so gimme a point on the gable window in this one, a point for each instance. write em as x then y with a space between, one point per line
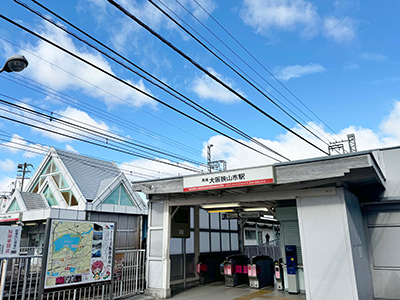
51 200
51 170
14 206
119 197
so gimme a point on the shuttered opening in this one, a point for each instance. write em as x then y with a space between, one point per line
290 234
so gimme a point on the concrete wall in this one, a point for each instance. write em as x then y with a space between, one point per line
158 249
334 253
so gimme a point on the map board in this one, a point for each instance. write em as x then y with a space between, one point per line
80 252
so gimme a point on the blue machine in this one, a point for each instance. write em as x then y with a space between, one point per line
291 266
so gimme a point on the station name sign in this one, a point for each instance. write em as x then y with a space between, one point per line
229 179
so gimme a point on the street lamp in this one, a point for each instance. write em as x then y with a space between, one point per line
15 63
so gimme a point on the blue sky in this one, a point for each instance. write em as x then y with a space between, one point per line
340 58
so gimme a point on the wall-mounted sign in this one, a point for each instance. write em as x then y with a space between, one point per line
9 217
79 253
229 179
10 237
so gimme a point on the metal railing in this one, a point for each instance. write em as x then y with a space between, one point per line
20 279
132 279
272 249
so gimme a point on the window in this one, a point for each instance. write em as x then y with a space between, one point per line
119 197
51 200
52 171
14 206
250 234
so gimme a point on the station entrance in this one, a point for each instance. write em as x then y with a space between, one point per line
314 203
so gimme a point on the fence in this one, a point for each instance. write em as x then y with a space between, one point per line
20 279
272 249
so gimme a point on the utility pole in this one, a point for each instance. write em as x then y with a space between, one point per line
22 171
209 157
219 165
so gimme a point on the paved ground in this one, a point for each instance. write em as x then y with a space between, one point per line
218 290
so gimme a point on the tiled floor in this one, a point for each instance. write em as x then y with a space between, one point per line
218 291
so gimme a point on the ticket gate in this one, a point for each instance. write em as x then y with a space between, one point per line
261 271
235 270
208 268
279 275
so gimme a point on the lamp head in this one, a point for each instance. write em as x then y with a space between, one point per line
15 63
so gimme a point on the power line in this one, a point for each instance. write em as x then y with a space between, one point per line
102 133
255 85
259 63
191 103
134 18
126 171
130 85
98 144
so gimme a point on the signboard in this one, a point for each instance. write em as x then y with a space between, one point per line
79 253
229 179
10 237
9 217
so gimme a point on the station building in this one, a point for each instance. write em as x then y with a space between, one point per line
341 212
71 186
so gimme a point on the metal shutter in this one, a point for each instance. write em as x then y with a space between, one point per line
290 235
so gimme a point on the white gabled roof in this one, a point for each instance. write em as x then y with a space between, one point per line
91 175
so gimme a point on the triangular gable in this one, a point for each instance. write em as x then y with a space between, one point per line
119 197
60 185
13 206
16 203
120 193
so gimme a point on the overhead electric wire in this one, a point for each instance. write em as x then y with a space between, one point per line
74 157
100 144
128 84
266 69
108 142
105 134
191 103
255 84
49 92
197 65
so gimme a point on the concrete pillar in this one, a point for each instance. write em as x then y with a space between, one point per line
196 224
158 245
335 255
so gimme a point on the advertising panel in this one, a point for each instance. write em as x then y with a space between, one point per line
229 179
10 237
80 252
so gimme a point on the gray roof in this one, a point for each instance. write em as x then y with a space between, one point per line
90 174
33 200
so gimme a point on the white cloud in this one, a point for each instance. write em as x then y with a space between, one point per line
6 183
297 71
147 13
298 16
391 124
18 144
207 88
73 116
78 75
143 169
70 149
292 147
8 165
14 144
264 15
340 30
287 144
373 56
